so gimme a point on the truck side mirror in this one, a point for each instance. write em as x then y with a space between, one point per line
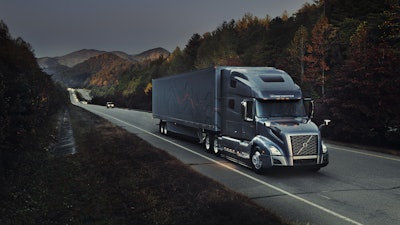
309 106
326 122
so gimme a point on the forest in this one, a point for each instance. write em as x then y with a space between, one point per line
30 104
342 53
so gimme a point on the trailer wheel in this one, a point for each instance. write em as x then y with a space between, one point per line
256 162
163 128
207 142
216 146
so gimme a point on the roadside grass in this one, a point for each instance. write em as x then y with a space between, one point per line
117 178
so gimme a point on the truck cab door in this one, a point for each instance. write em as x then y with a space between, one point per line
248 122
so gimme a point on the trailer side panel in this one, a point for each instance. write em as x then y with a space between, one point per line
190 99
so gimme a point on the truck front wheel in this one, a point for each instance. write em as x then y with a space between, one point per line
256 161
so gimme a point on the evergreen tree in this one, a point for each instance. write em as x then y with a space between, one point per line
176 62
191 50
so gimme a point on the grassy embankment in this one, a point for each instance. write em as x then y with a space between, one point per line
117 178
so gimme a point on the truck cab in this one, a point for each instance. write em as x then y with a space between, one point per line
265 121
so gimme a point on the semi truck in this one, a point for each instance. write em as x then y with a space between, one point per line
256 116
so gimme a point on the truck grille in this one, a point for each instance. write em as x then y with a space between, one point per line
304 145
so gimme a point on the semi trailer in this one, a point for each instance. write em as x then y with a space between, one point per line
255 116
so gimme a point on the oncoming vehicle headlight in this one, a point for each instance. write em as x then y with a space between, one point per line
274 150
324 148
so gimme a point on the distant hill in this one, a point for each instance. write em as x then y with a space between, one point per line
152 54
68 60
98 70
77 57
93 67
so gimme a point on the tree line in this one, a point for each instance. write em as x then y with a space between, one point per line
342 53
30 101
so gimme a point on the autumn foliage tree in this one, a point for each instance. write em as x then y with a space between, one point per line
364 101
317 54
296 54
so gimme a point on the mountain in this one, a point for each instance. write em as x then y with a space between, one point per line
77 57
51 65
88 67
152 54
68 60
99 70
124 55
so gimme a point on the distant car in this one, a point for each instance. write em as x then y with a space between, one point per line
110 105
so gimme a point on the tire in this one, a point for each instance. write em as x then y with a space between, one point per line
208 142
163 128
256 162
215 145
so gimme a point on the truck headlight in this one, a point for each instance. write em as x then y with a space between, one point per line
324 148
274 150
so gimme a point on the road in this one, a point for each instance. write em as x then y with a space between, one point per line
357 187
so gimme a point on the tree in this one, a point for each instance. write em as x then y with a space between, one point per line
391 26
176 62
219 47
29 100
191 49
317 54
285 16
297 50
365 98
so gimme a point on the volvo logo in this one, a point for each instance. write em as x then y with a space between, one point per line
304 146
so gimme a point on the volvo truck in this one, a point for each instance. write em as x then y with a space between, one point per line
255 116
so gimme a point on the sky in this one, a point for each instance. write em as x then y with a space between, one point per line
58 27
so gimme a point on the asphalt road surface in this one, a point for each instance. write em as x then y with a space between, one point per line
357 187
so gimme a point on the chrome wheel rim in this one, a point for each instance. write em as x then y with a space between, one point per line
215 144
165 129
256 160
207 142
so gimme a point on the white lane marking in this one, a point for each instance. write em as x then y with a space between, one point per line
324 196
345 149
241 173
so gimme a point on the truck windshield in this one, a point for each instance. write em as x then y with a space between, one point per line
288 108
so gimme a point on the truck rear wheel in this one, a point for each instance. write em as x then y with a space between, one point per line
215 146
256 161
208 141
163 128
